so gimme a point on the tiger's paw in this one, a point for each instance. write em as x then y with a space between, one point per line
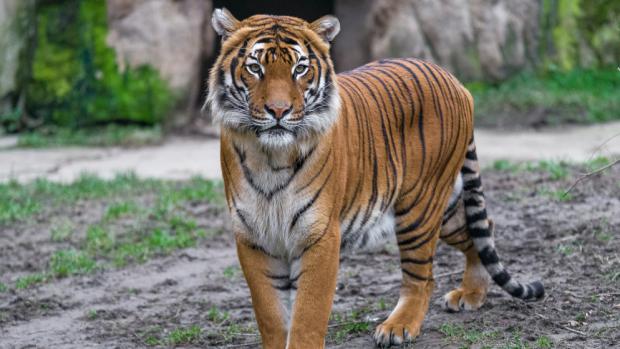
388 334
464 299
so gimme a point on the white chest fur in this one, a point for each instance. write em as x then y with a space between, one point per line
267 211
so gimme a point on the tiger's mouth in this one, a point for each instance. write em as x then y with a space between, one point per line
275 130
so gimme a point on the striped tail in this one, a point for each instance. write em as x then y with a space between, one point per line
481 231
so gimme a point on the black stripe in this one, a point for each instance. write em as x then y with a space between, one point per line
454 232
488 256
472 184
416 261
414 225
416 276
309 204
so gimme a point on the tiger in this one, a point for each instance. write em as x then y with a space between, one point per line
318 164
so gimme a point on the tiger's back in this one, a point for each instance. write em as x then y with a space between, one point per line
412 121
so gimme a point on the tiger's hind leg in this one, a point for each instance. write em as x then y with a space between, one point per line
472 292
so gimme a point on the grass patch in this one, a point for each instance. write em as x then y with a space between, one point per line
61 230
158 230
557 170
159 241
120 209
183 336
584 96
231 271
70 262
474 338
110 135
225 329
92 314
29 280
559 195
98 240
14 204
346 325
544 342
217 316
458 333
3 287
20 201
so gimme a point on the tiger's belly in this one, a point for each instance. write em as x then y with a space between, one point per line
358 234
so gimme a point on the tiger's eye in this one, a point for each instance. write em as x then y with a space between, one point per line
254 68
300 69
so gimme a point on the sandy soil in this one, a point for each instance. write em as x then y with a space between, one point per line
573 246
175 159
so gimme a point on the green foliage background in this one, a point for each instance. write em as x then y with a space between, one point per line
580 34
75 81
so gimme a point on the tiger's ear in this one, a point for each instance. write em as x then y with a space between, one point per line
224 22
327 27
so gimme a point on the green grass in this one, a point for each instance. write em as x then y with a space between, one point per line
70 262
29 280
231 271
158 242
473 338
120 209
61 230
92 314
19 202
217 316
184 336
156 229
3 287
566 249
98 240
576 96
98 137
345 325
544 342
556 169
467 337
351 328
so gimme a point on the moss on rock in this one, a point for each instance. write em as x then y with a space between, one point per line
75 79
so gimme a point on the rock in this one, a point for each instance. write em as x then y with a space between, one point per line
474 39
16 30
169 35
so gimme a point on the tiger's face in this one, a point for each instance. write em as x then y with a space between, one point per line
274 79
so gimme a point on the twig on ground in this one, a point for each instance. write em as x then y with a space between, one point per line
448 274
583 334
340 324
243 345
600 147
609 294
590 174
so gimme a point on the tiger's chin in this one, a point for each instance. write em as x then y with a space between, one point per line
277 139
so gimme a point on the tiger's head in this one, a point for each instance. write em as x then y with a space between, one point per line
274 79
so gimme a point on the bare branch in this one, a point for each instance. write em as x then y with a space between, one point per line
590 174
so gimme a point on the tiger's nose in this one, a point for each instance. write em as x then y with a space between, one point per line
278 109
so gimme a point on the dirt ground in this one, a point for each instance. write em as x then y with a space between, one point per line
572 245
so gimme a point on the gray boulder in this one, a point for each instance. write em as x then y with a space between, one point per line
16 30
168 35
475 39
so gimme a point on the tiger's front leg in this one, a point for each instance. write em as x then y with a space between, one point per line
292 301
271 314
315 292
